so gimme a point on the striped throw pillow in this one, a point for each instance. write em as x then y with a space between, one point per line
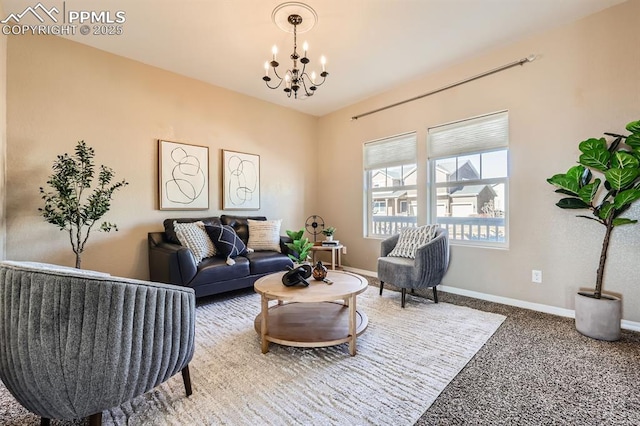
193 236
264 235
411 238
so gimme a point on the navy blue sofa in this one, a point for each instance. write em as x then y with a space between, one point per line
171 263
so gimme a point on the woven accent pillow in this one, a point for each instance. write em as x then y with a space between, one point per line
264 235
193 236
411 238
226 241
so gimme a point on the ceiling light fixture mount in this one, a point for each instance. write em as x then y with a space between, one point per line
301 18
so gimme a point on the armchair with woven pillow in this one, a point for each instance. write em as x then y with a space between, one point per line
215 254
416 258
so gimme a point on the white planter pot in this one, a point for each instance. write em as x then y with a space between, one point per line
598 318
329 238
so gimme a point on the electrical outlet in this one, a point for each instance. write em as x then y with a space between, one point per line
536 276
344 249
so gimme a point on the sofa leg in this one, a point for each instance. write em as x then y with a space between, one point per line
381 287
404 296
435 294
413 291
44 421
95 419
186 378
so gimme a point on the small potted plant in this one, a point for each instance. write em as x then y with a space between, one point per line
300 245
598 315
328 232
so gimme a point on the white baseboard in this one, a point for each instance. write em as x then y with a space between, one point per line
360 271
511 302
554 310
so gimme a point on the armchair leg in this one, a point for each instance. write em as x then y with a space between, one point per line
186 378
404 296
381 287
95 419
44 421
435 294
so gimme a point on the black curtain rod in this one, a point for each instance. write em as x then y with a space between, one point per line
522 61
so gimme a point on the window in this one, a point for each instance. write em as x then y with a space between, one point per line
390 184
380 207
468 179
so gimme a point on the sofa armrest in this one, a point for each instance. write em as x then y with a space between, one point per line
170 263
283 245
388 244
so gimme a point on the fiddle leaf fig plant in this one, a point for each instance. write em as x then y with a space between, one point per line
300 245
605 181
70 206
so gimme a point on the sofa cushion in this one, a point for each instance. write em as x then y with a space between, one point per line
226 241
264 235
411 238
194 236
240 224
214 269
171 233
264 262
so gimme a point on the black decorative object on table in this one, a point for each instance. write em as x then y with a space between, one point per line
297 275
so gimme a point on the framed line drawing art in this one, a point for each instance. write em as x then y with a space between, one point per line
240 181
183 172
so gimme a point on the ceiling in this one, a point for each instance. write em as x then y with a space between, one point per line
370 45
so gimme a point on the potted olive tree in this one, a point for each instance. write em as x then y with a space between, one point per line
71 205
606 181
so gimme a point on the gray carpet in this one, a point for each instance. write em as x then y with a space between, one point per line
538 370
534 370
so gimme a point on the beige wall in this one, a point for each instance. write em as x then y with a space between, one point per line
60 92
585 81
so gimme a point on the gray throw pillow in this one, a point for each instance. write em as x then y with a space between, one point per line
194 236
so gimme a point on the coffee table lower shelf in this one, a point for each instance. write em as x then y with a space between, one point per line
310 325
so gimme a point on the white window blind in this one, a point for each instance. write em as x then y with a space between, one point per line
390 152
469 136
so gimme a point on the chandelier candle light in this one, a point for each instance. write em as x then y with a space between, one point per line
295 79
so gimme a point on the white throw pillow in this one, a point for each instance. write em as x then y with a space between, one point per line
264 235
411 238
193 236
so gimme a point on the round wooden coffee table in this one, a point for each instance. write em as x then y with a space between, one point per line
314 316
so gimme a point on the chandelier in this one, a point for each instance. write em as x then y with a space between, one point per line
296 79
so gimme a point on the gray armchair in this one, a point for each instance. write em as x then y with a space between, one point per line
427 270
74 343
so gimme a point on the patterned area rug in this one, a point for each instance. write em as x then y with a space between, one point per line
405 359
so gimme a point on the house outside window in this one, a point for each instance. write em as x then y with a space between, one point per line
468 179
390 185
379 207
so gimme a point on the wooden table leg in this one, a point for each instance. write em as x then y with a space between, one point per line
333 259
264 323
352 326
